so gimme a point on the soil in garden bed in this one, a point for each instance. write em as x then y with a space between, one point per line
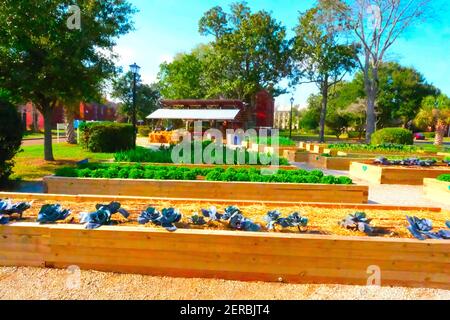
321 221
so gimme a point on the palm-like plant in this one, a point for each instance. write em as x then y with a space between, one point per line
435 113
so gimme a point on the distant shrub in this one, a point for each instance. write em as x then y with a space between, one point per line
429 135
144 131
354 135
393 135
107 136
10 138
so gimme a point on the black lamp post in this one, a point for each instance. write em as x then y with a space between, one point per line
290 122
134 68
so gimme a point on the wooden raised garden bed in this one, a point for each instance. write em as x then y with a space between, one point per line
262 256
209 189
395 174
296 156
437 190
332 163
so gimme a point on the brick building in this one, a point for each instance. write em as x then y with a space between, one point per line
33 119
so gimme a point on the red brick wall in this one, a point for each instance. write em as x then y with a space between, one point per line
264 109
89 112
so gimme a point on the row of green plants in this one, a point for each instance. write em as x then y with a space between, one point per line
282 141
444 177
164 155
138 171
167 218
386 147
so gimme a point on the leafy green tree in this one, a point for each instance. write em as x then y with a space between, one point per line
147 96
401 93
249 52
319 55
435 114
44 61
184 78
310 117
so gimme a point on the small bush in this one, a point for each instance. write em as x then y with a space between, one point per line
107 137
354 135
444 177
393 135
10 138
144 131
429 135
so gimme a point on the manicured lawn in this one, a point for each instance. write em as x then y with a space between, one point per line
30 165
297 136
40 135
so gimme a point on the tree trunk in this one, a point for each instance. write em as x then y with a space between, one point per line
48 115
71 137
440 133
371 116
371 88
323 112
34 116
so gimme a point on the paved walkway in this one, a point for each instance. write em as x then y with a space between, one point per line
388 194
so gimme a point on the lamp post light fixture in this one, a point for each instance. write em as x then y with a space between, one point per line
290 121
134 68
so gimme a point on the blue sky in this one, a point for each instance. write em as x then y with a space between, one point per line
167 27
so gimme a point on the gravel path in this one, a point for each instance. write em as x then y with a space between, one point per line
35 284
388 194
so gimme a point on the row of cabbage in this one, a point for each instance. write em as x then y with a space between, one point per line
167 218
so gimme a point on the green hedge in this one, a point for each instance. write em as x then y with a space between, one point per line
106 137
393 135
11 132
137 171
444 177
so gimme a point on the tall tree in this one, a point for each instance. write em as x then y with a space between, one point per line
184 77
377 25
147 96
319 53
401 91
250 52
46 59
435 113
